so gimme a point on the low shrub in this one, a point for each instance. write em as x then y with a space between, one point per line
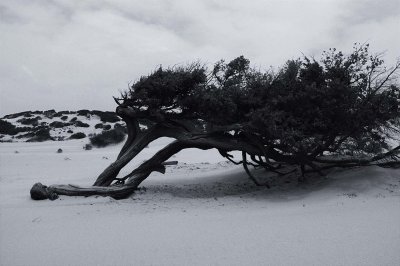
107 127
87 147
79 135
7 128
110 117
58 114
58 124
99 125
49 113
78 123
41 135
106 138
64 117
30 121
83 112
73 119
11 116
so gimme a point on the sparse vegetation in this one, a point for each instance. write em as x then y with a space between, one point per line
79 123
83 112
87 147
41 135
78 135
106 138
30 121
58 124
110 117
7 128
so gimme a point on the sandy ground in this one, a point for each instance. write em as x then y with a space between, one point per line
203 211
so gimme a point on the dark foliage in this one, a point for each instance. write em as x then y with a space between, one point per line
107 137
83 112
78 135
88 147
99 125
341 104
73 119
64 117
41 135
30 121
49 113
78 123
7 128
11 116
58 124
107 127
110 117
58 114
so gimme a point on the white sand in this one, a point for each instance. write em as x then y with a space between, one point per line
203 211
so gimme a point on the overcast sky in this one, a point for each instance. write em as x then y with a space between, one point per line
70 55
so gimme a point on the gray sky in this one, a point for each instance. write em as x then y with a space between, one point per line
69 55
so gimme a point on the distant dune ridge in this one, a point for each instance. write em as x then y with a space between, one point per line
50 125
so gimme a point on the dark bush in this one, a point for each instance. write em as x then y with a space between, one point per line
29 121
49 113
7 128
79 135
106 138
83 112
58 114
70 131
99 125
57 124
65 112
87 147
78 123
73 119
26 129
64 117
110 117
41 135
107 127
11 116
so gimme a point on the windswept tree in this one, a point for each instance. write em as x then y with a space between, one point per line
340 111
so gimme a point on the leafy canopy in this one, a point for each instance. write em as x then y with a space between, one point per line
340 103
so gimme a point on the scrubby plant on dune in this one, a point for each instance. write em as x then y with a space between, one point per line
340 111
